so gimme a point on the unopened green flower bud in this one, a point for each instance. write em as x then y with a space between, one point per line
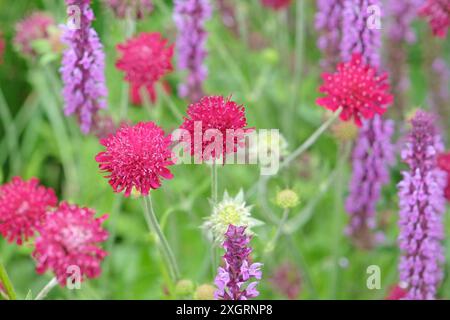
287 199
204 292
184 287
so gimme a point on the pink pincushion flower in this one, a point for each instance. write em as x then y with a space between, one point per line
437 12
276 4
69 238
32 28
136 156
23 205
215 113
357 89
145 60
444 164
397 293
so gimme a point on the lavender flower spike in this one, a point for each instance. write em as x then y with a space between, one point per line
360 34
372 156
329 24
238 269
83 67
190 17
422 205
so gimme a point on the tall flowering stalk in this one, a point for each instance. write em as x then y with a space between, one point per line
372 155
135 8
400 34
360 34
329 25
83 66
422 205
238 269
190 17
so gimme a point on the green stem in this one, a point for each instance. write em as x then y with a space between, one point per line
311 140
48 287
6 282
214 183
164 245
11 135
272 244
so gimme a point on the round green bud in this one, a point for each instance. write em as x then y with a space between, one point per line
184 287
287 199
204 292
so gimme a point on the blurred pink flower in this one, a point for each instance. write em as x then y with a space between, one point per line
23 205
69 238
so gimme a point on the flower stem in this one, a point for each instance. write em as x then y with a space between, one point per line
214 182
164 245
48 287
272 244
311 140
6 282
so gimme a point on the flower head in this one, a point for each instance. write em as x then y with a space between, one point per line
204 292
68 242
224 118
287 199
286 279
82 68
357 89
23 206
145 59
422 205
137 8
229 211
238 269
276 4
444 164
190 17
397 292
437 12
32 28
136 157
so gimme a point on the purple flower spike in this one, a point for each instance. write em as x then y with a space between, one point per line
83 67
422 205
372 156
360 33
190 17
238 270
329 24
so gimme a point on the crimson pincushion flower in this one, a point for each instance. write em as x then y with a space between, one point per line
437 12
70 237
23 206
276 4
357 89
444 164
145 60
136 157
218 113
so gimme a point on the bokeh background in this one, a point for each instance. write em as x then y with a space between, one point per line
267 60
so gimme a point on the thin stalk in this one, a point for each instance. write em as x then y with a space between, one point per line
272 244
12 137
6 282
342 156
153 224
130 27
172 107
214 183
48 287
311 140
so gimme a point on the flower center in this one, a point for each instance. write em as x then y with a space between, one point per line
230 215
